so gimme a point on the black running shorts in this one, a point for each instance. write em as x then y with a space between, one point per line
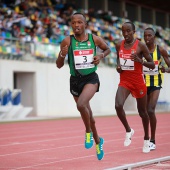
77 83
150 89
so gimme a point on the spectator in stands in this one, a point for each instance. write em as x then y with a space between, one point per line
84 81
15 31
154 79
30 13
129 64
33 5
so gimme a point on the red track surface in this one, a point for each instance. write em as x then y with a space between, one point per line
59 144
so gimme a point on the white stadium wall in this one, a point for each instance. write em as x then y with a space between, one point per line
46 89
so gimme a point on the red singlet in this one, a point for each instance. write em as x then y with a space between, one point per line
131 77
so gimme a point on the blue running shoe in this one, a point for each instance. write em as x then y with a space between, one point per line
99 149
88 140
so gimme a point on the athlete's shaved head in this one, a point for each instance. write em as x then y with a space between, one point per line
78 13
151 29
131 23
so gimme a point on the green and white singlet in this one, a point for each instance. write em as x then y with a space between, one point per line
80 56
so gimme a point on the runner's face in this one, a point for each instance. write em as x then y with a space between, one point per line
149 37
78 24
128 32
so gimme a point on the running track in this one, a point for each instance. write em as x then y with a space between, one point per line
59 144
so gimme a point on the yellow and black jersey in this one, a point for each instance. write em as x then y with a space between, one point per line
156 79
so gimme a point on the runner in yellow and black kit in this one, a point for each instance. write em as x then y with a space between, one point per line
154 78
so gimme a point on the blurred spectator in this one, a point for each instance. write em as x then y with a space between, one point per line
49 21
15 31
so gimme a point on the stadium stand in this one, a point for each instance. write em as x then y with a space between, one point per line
36 28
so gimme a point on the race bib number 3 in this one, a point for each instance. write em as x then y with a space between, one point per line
83 59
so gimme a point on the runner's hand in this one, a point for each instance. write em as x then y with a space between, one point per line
163 70
135 58
119 70
96 60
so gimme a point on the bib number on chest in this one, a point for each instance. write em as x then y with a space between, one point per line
126 62
149 71
83 59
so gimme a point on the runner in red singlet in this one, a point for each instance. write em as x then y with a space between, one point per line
130 52
130 79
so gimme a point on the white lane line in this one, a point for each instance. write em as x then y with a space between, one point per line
44 134
47 140
62 132
39 141
39 150
66 131
61 147
71 159
43 124
36 129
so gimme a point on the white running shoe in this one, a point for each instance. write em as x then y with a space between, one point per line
152 146
146 147
128 137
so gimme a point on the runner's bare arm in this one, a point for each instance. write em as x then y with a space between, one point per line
118 68
145 53
99 42
63 52
164 54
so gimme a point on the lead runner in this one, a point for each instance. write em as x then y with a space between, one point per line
84 81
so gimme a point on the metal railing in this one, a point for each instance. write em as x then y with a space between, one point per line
140 164
16 49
